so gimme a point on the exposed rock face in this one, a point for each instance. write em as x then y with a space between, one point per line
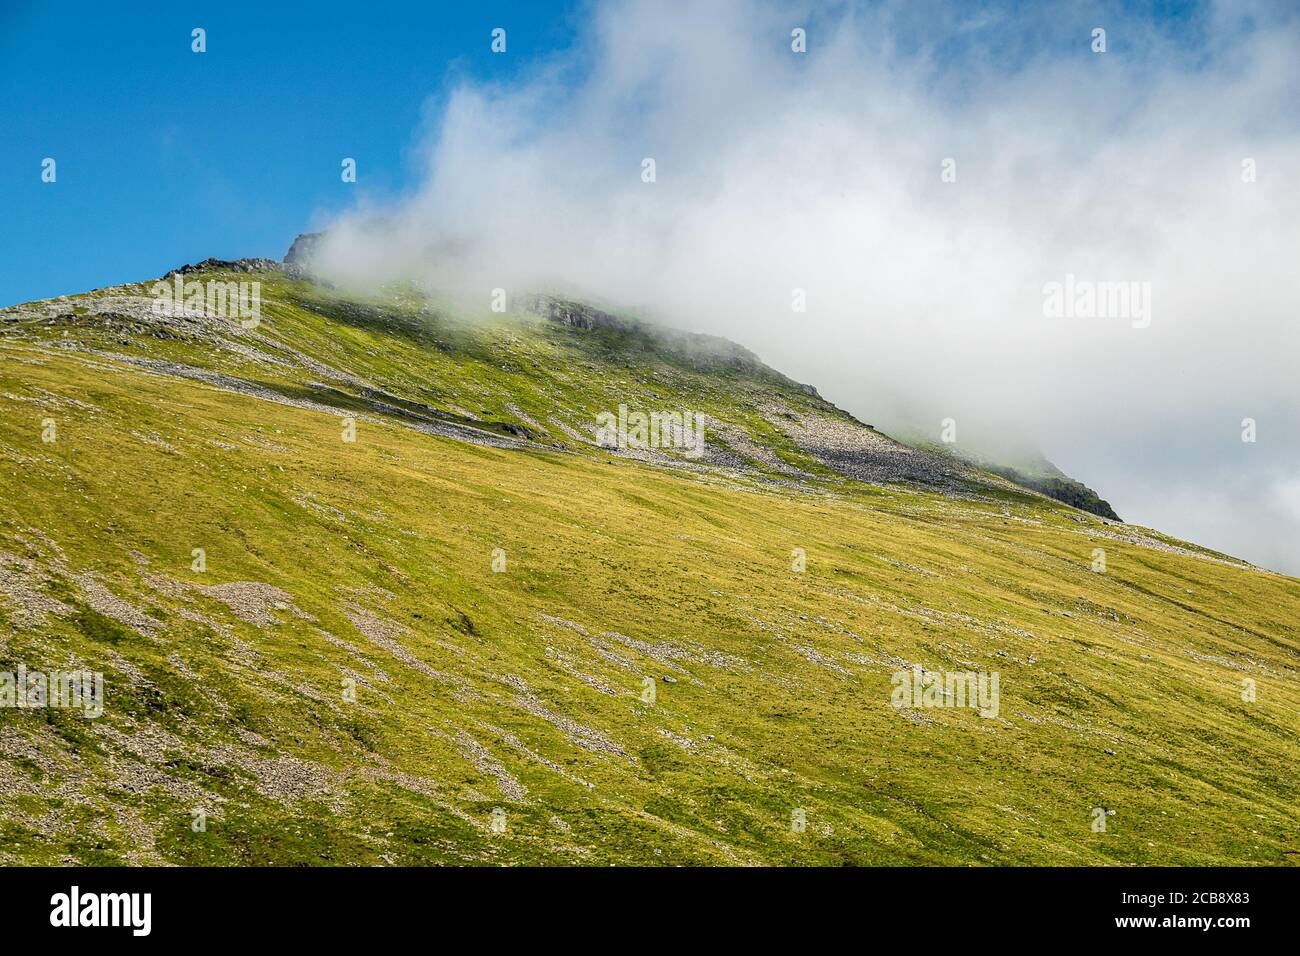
577 314
303 249
705 350
1073 493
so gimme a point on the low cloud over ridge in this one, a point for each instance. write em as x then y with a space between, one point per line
823 171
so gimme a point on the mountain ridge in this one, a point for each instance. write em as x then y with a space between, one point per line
297 263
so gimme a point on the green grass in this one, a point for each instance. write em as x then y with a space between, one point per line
781 680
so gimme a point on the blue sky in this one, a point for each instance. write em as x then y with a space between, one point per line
167 156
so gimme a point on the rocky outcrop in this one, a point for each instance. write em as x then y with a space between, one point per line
304 247
226 265
1065 489
707 351
576 314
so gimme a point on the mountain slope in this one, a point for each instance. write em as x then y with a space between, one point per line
347 679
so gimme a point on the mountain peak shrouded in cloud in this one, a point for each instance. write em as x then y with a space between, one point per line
590 433
888 210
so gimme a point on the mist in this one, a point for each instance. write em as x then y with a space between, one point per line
916 181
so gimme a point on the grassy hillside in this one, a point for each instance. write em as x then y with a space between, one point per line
348 679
